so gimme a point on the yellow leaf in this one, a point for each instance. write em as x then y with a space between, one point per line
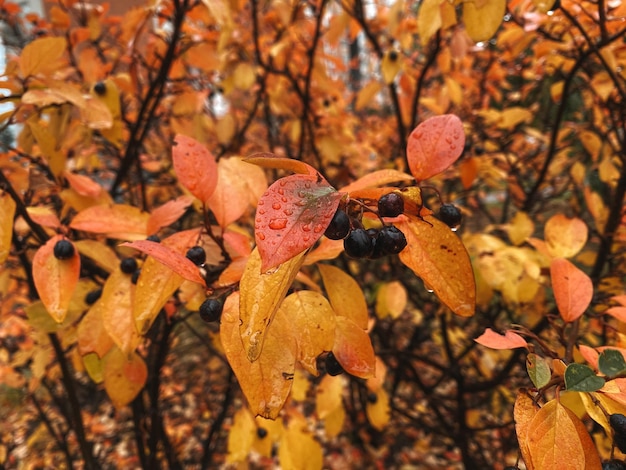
43 55
429 19
328 395
379 412
333 423
345 294
7 212
240 436
366 95
92 335
544 6
299 450
48 146
124 376
520 228
390 65
99 252
482 21
225 129
353 349
391 300
261 295
565 237
244 75
511 117
117 314
94 367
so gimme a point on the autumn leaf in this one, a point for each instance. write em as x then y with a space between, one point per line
298 449
573 289
42 55
266 382
556 438
565 237
261 295
117 220
378 410
117 314
195 167
483 19
353 349
124 376
55 279
429 19
377 178
270 160
391 300
524 411
92 335
168 213
345 294
509 340
291 216
434 145
7 212
83 185
438 256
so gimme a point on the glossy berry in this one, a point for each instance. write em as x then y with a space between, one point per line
613 465
372 397
358 244
339 226
450 215
211 310
618 423
332 365
63 249
390 205
393 56
390 240
128 265
261 433
197 255
100 88
93 296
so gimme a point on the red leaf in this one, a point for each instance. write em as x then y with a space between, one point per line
572 288
195 167
178 263
116 220
291 216
434 145
510 340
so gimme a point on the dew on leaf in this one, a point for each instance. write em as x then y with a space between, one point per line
280 191
306 227
288 212
318 228
261 235
277 224
276 206
284 199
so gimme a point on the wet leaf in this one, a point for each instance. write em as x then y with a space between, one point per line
565 237
168 213
291 216
377 178
261 295
523 412
55 279
573 289
124 376
538 370
270 160
345 294
558 439
353 349
266 382
117 313
195 167
611 363
7 212
582 378
509 340
92 335
434 145
117 221
438 256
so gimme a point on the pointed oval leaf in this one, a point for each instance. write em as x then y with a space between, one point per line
117 313
125 374
617 312
195 166
565 237
313 322
291 216
379 412
353 349
483 19
266 382
582 378
538 370
42 55
377 178
524 411
7 213
573 289
270 160
438 256
261 295
345 294
168 213
55 279
558 439
611 363
434 145
92 335
299 449
116 220
509 340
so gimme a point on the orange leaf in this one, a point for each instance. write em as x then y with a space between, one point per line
353 349
168 213
557 439
178 263
438 256
509 340
116 306
572 288
117 221
291 216
195 167
43 55
7 213
620 299
44 216
434 145
124 376
92 336
55 279
270 160
565 237
523 413
83 185
326 249
377 178
261 295
617 312
345 294
266 382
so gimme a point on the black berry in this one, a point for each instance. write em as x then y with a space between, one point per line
613 465
390 240
197 255
261 432
135 276
372 397
100 88
450 215
618 423
479 150
358 244
154 238
390 205
63 249
393 56
211 310
128 265
332 365
339 226
93 296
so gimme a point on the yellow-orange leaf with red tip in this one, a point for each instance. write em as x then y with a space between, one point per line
55 279
345 294
92 335
125 374
353 349
438 256
523 413
573 289
195 167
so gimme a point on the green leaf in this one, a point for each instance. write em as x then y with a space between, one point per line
611 363
581 378
538 370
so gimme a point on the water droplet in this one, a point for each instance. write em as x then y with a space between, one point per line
276 206
260 235
318 228
280 191
284 199
288 212
454 229
307 185
282 182
301 194
277 224
306 238
452 147
261 202
306 227
261 211
417 135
